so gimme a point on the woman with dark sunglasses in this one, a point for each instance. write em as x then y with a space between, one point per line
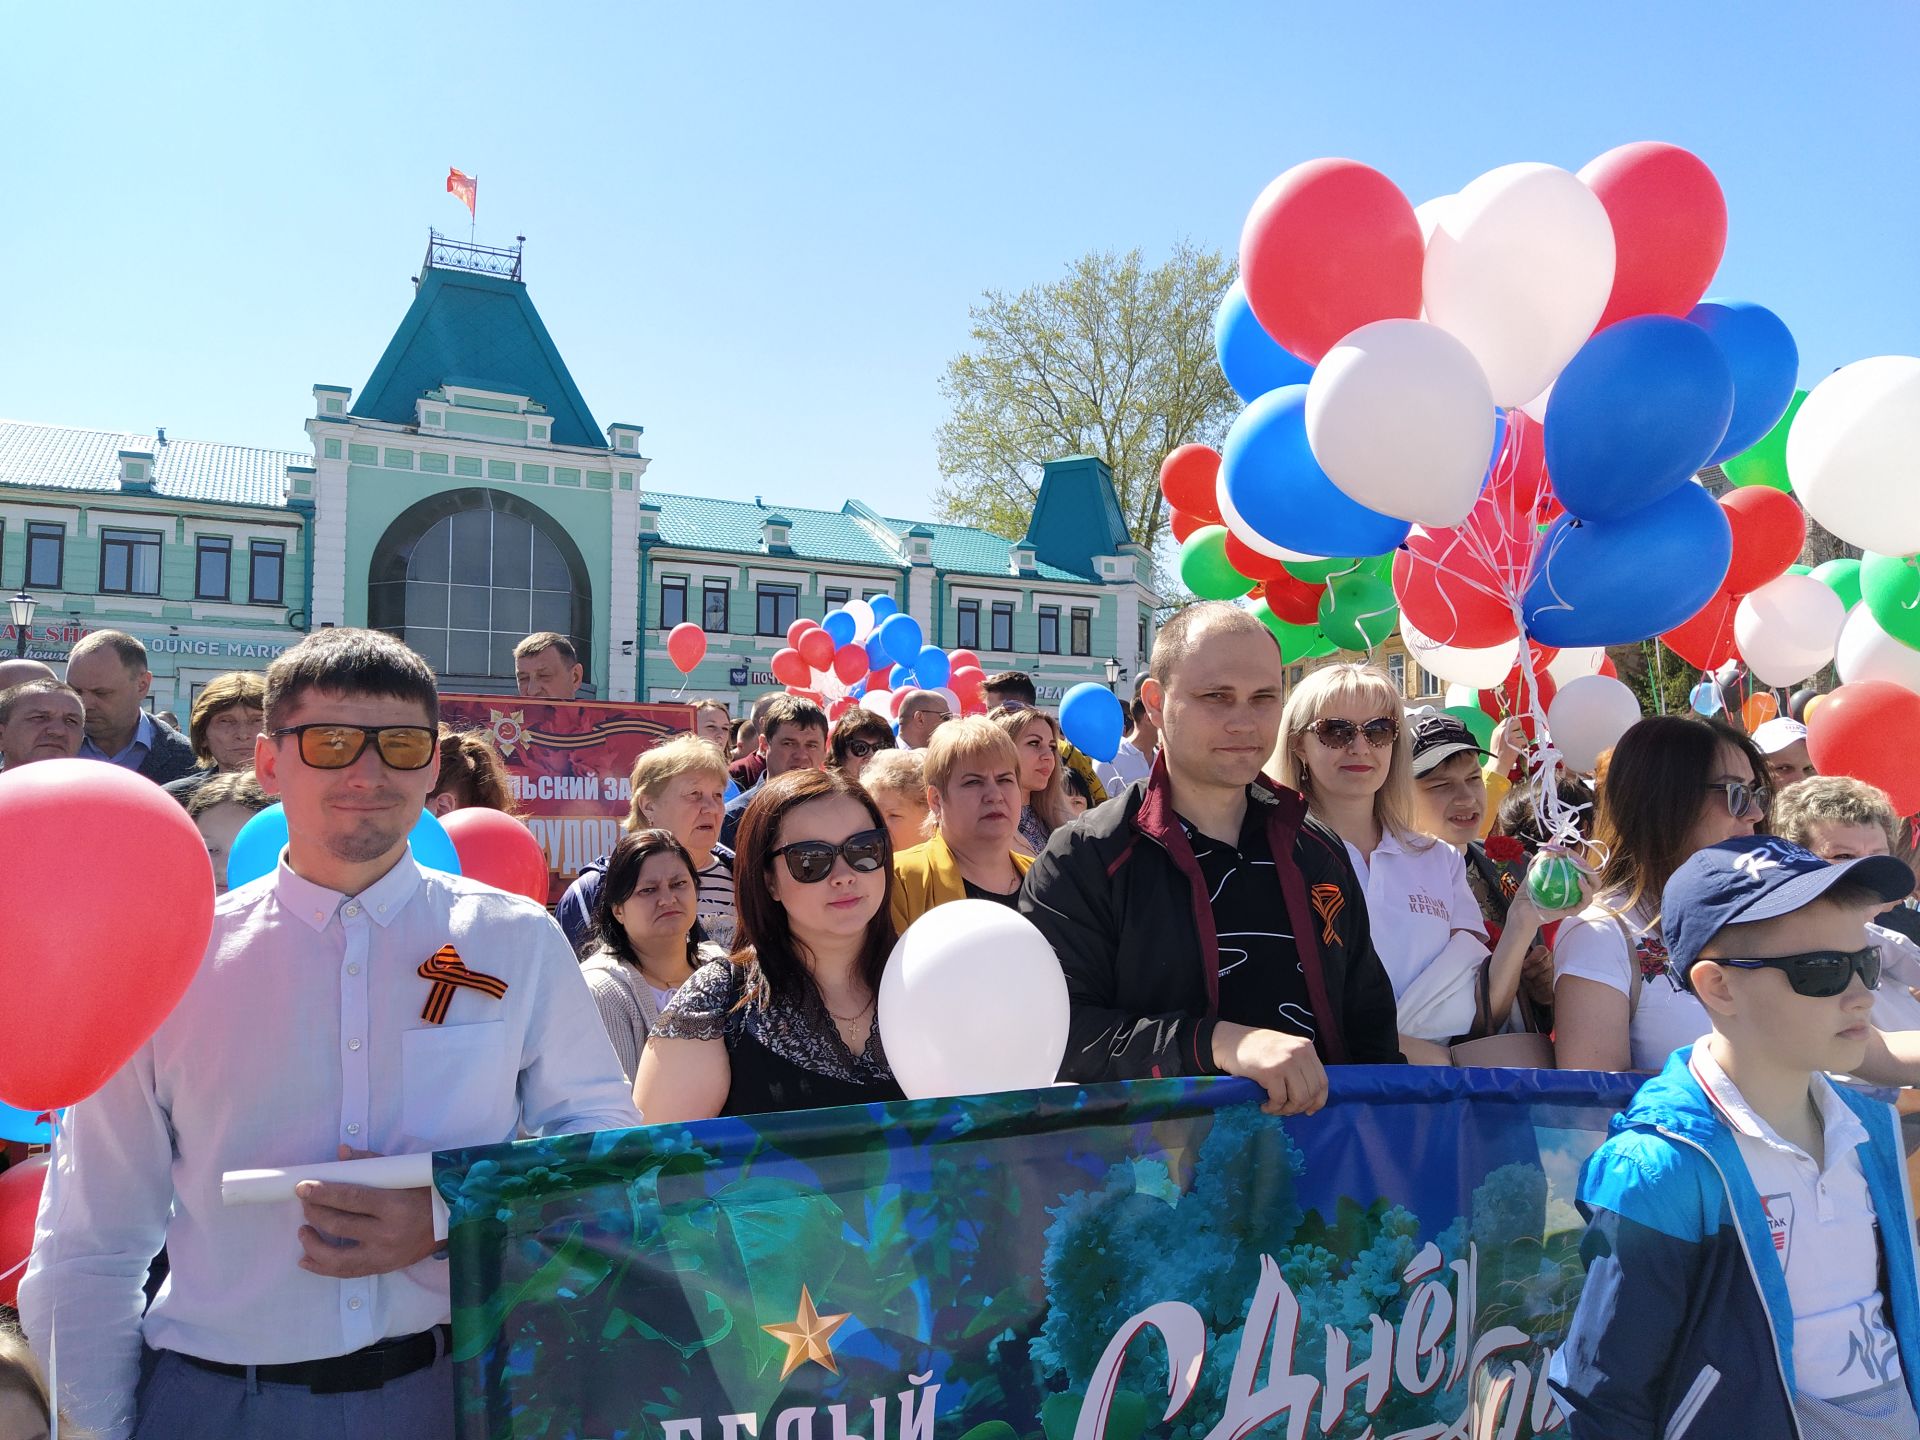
857 737
790 1022
1345 745
1671 787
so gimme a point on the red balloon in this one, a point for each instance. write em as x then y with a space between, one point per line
1183 524
788 668
877 679
1449 592
850 663
1866 730
1329 246
960 659
816 648
840 707
686 646
799 628
1706 641
801 694
97 834
20 1188
1255 566
498 850
1294 600
1514 696
968 682
1769 531
1188 477
1669 227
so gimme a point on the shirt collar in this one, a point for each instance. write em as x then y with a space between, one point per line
143 735
315 904
1841 1128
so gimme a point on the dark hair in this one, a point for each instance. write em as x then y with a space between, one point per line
624 865
239 787
1518 818
543 640
1012 685
858 723
12 697
472 770
350 662
223 693
792 710
763 934
1651 793
1077 783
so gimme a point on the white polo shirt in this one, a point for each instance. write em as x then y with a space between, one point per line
1593 946
1417 897
1825 1235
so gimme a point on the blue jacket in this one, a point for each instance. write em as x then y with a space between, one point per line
1685 1326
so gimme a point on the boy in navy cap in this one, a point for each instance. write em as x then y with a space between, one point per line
1750 1245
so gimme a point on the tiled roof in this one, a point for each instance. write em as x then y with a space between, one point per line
703 523
58 457
964 550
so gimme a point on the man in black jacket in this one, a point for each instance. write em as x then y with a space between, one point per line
109 669
1206 925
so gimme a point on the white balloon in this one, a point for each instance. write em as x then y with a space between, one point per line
1536 408
1400 418
1570 665
1851 453
1429 214
1788 628
1519 268
1480 668
1866 652
1588 716
880 702
1245 533
862 614
973 1001
952 699
1457 694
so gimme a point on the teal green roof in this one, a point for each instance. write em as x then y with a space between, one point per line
484 328
960 549
58 457
698 522
1076 516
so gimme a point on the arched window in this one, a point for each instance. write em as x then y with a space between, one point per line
464 576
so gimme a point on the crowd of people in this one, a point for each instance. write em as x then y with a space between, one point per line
1260 883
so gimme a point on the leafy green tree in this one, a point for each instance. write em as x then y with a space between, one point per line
1115 358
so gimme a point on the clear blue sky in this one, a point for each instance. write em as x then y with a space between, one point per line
756 230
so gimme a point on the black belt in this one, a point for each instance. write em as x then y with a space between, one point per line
366 1369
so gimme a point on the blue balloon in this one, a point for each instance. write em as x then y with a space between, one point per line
900 634
1092 720
877 657
1613 582
933 667
1765 362
1636 412
1252 360
1279 491
840 625
256 849
1704 698
24 1126
883 606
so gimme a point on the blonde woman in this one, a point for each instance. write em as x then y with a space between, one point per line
679 787
1043 790
1345 746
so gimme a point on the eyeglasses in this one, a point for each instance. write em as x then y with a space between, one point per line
811 861
861 749
1743 798
1818 974
1337 734
940 717
334 747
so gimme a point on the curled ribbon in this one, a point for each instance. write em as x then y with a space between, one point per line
449 972
1328 900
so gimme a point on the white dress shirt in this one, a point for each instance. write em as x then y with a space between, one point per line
302 1031
1129 764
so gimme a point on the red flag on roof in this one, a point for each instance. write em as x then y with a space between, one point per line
463 186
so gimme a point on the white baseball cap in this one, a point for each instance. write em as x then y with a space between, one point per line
1776 735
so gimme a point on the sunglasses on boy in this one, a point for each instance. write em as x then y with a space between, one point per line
1818 974
328 746
1337 734
811 861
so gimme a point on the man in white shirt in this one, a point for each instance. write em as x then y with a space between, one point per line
349 1003
1134 759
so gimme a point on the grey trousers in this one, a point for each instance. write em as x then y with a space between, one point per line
183 1402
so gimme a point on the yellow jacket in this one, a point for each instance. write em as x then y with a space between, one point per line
928 875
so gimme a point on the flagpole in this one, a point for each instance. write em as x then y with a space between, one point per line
473 210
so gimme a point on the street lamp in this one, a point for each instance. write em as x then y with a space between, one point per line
1116 672
22 605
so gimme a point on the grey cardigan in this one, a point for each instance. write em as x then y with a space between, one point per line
626 1002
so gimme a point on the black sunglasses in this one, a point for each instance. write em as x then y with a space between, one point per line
1337 734
327 746
811 861
861 749
1742 798
1818 974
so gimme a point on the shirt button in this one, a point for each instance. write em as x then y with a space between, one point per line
353 1129
354 1303
353 909
353 969
353 1044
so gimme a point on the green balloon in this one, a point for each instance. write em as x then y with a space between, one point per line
1799 569
1358 611
1890 584
1297 642
1554 881
1317 572
1765 461
1205 569
1477 721
1841 576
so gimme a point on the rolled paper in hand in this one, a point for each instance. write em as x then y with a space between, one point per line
381 1172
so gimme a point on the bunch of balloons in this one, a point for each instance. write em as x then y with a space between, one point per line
869 653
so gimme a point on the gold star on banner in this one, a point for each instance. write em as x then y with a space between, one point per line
807 1337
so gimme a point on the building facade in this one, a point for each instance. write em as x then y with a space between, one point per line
466 496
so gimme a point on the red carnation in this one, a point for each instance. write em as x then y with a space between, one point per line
1505 850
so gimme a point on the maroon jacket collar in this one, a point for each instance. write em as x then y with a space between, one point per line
1286 811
